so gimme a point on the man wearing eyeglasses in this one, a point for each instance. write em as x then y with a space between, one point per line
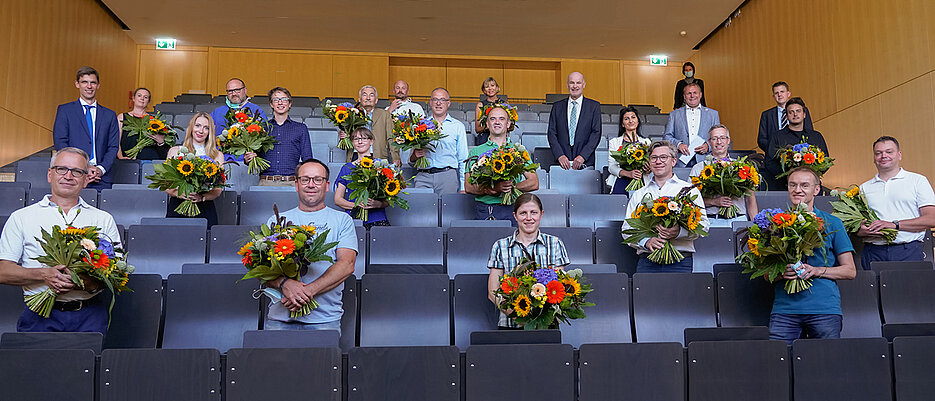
292 142
719 143
323 281
236 99
445 173
74 309
662 158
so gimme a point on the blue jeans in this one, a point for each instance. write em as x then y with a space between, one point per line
890 253
483 211
790 327
271 324
644 265
90 318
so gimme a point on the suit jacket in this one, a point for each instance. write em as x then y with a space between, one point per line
71 129
587 134
382 128
769 126
677 126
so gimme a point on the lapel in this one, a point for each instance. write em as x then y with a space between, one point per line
79 111
98 122
563 115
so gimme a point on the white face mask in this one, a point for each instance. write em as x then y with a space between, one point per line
689 74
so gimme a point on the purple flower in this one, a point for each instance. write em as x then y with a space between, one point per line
429 123
106 247
346 104
762 219
544 276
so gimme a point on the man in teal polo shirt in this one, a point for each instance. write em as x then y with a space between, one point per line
815 312
487 200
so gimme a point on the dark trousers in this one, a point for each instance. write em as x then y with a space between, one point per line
620 186
890 253
91 318
644 265
99 185
483 211
790 327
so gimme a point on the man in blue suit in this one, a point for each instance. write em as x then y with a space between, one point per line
86 125
691 123
774 119
575 129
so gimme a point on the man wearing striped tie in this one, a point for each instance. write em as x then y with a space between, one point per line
774 119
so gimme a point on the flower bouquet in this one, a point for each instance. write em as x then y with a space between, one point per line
85 252
246 132
779 238
853 210
283 249
511 112
378 180
415 132
144 128
667 211
806 155
731 178
632 156
541 298
505 163
346 117
189 174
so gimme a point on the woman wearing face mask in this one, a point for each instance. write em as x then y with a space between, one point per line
629 133
489 90
200 139
526 243
141 97
688 70
362 139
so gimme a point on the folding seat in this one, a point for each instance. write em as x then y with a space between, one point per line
334 168
193 98
528 116
738 371
608 320
530 366
174 108
406 246
225 241
307 101
209 311
665 304
160 374
291 339
404 373
350 302
473 311
541 108
844 369
363 243
174 221
742 333
135 318
32 171
609 248
300 112
683 173
322 152
239 178
181 120
600 157
129 206
743 302
146 170
584 210
125 171
214 268
659 119
205 108
62 374
324 135
555 208
575 181
772 199
716 247
913 367
469 248
654 131
228 207
906 296
164 249
860 303
425 300
878 267
578 242
543 177
11 199
608 129
258 374
532 141
53 340
481 223
457 114
597 268
257 207
544 156
535 127
423 211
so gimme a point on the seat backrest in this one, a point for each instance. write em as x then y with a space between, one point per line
11 199
473 311
772 199
125 171
843 369
913 367
544 156
423 211
142 374
716 247
578 243
743 302
531 366
880 266
645 371
584 210
174 221
224 297
906 296
481 223
608 320
225 241
406 245
609 248
555 208
350 320
239 178
128 206
135 318
228 207
363 244
743 333
313 371
163 249
437 375
424 297
664 304
575 181
738 370
860 303
257 207
214 268
53 340
174 108
48 374
469 248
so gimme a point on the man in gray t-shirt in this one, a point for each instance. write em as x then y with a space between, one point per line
324 281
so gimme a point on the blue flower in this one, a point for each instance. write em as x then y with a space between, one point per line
346 104
762 219
106 247
429 123
800 147
544 276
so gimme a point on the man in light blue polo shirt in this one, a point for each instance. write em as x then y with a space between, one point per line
324 281
445 173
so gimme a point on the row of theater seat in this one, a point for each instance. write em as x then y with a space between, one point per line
868 369
214 310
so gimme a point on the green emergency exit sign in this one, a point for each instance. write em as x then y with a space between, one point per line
658 60
165 44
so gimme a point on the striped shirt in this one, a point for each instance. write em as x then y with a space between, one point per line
506 253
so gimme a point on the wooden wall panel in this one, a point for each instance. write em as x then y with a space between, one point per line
304 74
531 80
20 137
169 73
907 116
464 77
603 78
647 84
353 72
422 74
848 135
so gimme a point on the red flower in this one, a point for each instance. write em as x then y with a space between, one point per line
555 292
783 219
421 128
509 284
98 260
340 108
246 258
487 112
620 148
745 173
241 117
284 246
387 173
808 158
253 128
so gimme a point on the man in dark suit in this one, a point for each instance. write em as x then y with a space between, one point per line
88 126
774 119
575 129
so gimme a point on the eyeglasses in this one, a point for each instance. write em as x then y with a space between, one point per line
436 100
805 186
362 139
661 158
75 172
279 100
719 138
236 90
317 180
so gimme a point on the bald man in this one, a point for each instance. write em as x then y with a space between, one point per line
575 127
402 104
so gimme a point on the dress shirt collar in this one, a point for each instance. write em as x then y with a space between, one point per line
692 110
900 174
47 202
672 180
85 103
514 241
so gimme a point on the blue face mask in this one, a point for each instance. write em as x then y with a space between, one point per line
689 74
235 106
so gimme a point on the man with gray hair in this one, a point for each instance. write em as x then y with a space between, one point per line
381 124
445 173
662 182
719 143
74 309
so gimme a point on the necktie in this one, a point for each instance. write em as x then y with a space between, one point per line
573 122
784 120
87 117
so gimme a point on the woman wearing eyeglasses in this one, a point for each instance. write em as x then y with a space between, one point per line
362 139
200 139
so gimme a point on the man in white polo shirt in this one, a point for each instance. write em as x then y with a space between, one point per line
75 309
903 200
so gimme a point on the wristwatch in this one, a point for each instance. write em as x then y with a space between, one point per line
896 222
281 283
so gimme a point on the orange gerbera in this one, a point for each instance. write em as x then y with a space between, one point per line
98 260
241 117
254 128
783 219
509 284
745 173
340 108
284 246
554 292
808 158
421 128
388 173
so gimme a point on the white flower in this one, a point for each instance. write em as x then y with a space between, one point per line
482 161
538 290
673 206
797 157
400 140
801 218
88 244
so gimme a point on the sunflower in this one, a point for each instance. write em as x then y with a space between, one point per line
391 188
526 156
185 167
74 231
245 249
707 172
156 125
210 169
232 131
522 306
751 245
409 136
636 213
820 157
309 228
660 209
498 165
507 158
638 154
572 287
692 220
340 116
366 162
853 192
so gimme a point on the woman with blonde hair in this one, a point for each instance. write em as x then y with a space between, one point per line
201 140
